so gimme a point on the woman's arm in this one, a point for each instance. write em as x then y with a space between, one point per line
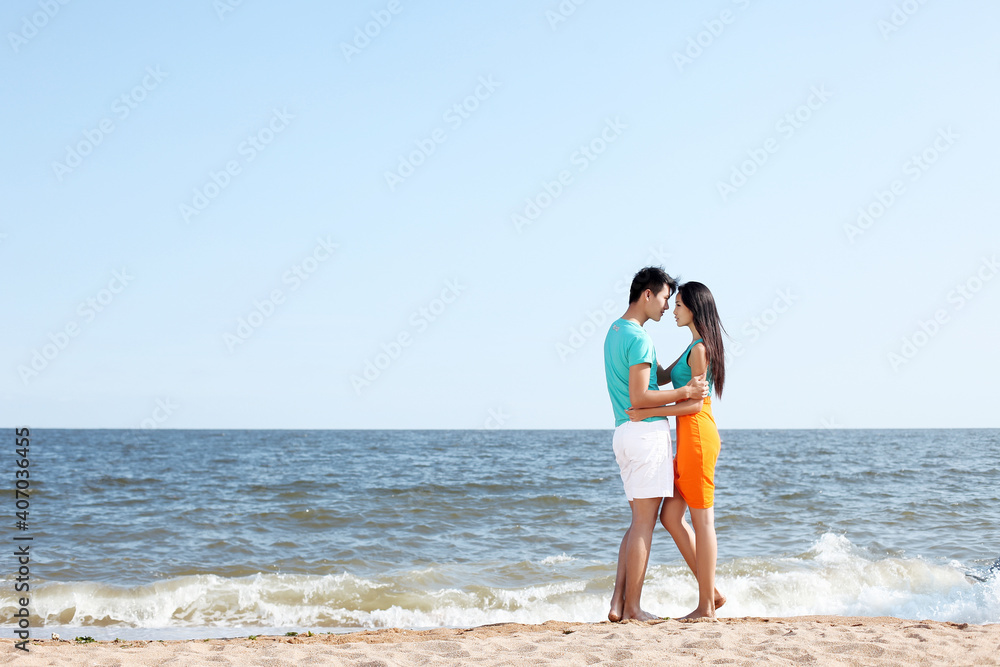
689 407
663 374
698 359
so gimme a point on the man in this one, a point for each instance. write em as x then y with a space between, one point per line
642 449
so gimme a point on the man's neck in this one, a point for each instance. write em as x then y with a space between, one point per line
635 314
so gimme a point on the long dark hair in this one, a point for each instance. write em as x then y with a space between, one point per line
701 303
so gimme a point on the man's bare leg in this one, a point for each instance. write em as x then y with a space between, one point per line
707 552
672 518
618 597
640 537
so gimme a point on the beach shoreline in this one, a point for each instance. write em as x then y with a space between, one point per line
818 640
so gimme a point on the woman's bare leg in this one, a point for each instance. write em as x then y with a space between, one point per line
672 518
707 550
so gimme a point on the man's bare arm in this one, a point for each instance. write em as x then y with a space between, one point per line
689 407
642 397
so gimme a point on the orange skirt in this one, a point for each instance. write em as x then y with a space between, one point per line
698 446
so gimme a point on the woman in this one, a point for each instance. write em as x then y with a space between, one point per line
698 444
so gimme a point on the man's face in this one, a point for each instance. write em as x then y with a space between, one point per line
657 303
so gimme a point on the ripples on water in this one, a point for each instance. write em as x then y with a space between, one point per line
352 528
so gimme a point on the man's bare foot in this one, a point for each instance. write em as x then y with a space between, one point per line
698 613
640 616
720 599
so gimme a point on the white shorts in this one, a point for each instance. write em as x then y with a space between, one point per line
644 454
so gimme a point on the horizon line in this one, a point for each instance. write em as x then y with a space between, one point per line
238 428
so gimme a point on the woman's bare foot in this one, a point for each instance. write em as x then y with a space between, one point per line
617 609
700 613
720 599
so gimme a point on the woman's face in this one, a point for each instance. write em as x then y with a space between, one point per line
682 314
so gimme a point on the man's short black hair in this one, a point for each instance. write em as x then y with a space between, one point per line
650 278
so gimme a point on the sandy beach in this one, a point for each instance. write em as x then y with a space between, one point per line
816 640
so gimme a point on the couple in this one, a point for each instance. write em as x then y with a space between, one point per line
642 435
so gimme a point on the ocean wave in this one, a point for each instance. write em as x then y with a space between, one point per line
836 577
553 560
833 577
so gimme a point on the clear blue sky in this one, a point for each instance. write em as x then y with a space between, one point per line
171 168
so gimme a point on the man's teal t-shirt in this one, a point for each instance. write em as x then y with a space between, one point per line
626 345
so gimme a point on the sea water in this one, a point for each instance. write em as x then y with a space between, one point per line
174 534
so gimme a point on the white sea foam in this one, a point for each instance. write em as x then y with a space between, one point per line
555 560
526 598
832 577
835 577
